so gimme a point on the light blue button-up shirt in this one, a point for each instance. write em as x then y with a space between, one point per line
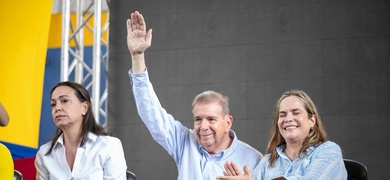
193 162
322 162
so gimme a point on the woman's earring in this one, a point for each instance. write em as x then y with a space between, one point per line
83 113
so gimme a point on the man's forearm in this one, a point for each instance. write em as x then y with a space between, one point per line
138 63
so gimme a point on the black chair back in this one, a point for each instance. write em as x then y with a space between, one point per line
18 175
131 176
356 170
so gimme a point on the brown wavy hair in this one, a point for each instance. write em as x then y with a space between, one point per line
89 123
316 136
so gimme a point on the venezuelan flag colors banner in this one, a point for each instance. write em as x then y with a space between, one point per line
24 34
30 49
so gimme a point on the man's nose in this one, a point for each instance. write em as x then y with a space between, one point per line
204 125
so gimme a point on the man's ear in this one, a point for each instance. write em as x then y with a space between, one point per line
229 122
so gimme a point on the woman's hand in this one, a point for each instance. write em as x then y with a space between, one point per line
232 172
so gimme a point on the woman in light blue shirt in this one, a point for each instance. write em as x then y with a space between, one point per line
298 148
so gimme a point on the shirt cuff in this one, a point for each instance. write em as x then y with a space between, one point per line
140 79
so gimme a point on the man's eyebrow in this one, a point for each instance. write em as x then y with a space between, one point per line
207 117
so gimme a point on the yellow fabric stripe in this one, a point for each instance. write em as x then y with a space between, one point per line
55 36
23 35
6 163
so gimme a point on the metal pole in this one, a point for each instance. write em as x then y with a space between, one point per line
84 73
96 59
65 40
80 39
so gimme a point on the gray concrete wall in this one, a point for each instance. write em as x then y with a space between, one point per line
252 51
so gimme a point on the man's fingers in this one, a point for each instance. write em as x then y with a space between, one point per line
128 25
149 37
134 21
137 22
141 22
132 24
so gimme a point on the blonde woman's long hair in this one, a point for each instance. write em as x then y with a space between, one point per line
316 136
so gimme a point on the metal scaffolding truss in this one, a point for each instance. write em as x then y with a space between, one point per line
74 65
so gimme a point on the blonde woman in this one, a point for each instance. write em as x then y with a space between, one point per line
299 147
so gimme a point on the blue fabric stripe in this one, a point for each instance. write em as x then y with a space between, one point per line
18 151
